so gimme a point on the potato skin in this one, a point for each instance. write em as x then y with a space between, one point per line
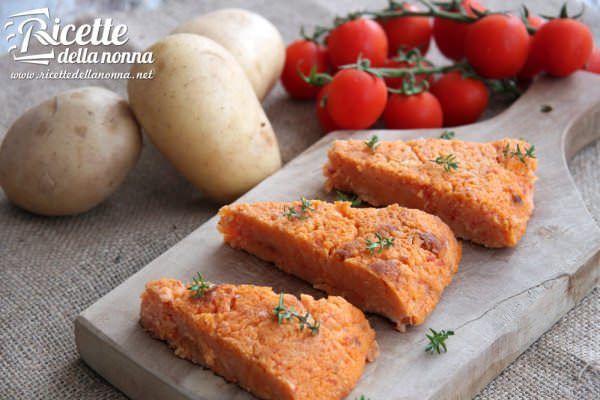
254 41
69 153
200 111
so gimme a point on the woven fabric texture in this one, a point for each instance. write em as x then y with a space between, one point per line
53 268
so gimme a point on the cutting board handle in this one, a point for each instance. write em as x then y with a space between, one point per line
574 115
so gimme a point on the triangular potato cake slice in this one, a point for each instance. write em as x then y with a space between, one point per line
391 261
483 191
236 332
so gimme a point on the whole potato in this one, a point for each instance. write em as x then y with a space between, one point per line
200 111
253 40
69 153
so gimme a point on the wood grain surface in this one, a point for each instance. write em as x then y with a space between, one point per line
498 304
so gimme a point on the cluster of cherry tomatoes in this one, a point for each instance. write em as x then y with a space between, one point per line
372 64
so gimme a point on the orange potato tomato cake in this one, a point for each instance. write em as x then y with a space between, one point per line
244 333
483 191
392 261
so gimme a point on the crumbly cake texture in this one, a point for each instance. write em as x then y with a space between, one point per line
487 199
328 248
233 331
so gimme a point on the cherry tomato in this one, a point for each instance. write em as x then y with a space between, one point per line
301 56
593 63
421 110
563 45
406 33
533 65
497 45
356 99
361 36
463 100
396 83
450 35
324 118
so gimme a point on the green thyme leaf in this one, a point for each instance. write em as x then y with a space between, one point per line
354 200
448 161
199 286
437 341
448 135
380 244
304 321
302 213
373 142
521 154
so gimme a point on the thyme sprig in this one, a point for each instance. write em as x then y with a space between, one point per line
373 142
199 286
447 135
448 161
293 212
353 199
285 314
437 341
380 244
520 154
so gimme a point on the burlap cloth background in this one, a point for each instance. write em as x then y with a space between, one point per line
53 268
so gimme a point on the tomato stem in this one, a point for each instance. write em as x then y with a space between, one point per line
410 87
507 88
525 19
316 35
413 57
407 71
564 13
419 65
452 10
439 10
315 78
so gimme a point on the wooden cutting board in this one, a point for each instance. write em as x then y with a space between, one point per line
498 304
